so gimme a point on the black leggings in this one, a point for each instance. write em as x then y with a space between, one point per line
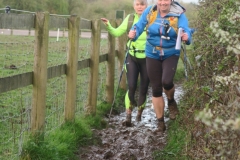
161 74
136 66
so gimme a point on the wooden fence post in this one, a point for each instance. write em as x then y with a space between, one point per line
110 67
122 41
94 67
40 73
71 72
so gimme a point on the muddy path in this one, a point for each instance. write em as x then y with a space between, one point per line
118 142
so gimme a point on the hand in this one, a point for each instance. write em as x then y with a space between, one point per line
184 36
132 34
105 21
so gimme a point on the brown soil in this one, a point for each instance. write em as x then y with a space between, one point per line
138 142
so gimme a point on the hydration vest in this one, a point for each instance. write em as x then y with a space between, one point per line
152 15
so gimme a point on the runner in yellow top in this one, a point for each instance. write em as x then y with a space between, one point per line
135 63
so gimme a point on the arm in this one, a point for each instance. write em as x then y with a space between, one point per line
138 28
116 32
183 23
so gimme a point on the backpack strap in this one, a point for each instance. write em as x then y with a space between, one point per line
173 23
152 15
130 21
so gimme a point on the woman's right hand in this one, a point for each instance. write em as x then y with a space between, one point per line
131 34
105 21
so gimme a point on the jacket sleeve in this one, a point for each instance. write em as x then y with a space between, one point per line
183 23
120 30
141 24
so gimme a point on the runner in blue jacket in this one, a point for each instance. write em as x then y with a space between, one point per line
162 21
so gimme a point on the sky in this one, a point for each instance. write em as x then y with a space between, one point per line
185 1
188 1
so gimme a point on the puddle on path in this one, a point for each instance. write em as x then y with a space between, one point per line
138 142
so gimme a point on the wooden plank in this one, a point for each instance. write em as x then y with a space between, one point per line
16 21
15 82
83 64
56 71
103 58
25 79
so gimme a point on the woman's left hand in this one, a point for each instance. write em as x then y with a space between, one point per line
105 21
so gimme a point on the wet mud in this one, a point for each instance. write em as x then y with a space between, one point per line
138 142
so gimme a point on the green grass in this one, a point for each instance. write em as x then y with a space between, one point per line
15 105
179 75
60 144
64 142
176 141
19 51
177 133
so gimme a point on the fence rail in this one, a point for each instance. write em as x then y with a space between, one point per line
38 78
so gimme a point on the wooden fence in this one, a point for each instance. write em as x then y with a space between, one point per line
42 22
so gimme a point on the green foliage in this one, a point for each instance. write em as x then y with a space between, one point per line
96 121
63 143
60 144
179 75
90 9
211 94
58 7
85 9
77 7
21 4
119 105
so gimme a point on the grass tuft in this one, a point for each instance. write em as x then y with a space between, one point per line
63 143
176 141
60 144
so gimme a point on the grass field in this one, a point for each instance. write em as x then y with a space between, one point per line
17 56
15 106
